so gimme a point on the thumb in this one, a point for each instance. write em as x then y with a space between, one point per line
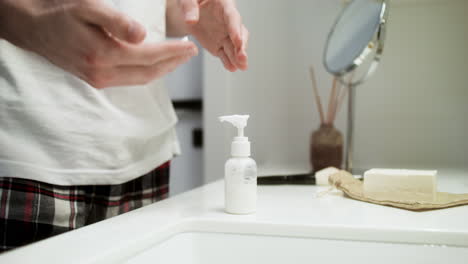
190 10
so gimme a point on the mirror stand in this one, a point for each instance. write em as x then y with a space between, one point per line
350 127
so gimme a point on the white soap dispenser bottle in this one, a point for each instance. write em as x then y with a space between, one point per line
240 171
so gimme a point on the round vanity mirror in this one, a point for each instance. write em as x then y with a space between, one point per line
356 39
358 33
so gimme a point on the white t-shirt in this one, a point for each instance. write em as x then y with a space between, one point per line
56 128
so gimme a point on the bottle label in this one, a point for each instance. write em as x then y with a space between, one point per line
250 175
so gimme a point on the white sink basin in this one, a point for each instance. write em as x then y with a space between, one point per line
206 248
290 226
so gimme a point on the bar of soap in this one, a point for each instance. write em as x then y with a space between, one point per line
400 185
321 176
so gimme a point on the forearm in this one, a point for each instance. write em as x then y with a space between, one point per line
175 22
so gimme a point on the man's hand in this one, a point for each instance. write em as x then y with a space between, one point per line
91 40
217 25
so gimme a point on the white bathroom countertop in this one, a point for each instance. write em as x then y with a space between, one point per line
283 210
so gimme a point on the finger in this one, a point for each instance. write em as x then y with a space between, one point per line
138 75
234 24
152 53
231 54
109 52
116 23
245 41
227 63
242 54
167 67
190 10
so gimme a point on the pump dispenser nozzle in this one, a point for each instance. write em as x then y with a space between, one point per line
240 145
239 121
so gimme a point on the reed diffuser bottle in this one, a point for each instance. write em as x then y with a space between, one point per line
326 143
326 149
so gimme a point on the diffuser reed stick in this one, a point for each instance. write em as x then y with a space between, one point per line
336 101
332 102
316 94
337 96
343 95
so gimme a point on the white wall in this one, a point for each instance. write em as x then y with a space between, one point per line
412 113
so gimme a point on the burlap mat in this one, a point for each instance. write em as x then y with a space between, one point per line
353 188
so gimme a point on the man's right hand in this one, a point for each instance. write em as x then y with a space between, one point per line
91 40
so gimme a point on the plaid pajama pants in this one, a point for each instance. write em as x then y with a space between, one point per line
31 210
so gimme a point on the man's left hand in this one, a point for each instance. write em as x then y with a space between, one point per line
217 25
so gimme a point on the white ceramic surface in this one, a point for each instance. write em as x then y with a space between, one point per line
207 248
282 211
